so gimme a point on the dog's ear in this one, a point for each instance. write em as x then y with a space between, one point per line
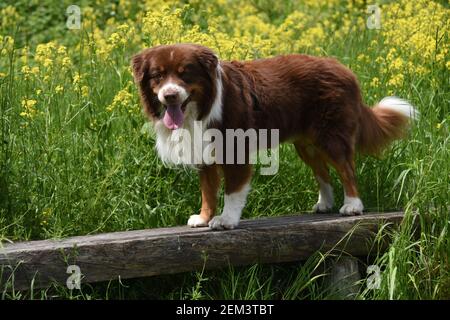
207 59
138 65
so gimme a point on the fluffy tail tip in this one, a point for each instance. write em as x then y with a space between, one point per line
401 106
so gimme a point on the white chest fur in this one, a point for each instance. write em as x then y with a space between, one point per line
183 146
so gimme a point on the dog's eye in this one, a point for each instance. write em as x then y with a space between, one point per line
156 76
186 69
186 75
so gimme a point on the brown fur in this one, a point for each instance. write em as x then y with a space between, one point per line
315 102
379 127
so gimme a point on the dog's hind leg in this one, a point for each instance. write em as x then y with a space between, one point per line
352 203
341 157
314 159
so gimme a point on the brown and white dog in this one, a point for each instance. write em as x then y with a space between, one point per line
315 103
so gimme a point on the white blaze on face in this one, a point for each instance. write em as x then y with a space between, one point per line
172 88
173 96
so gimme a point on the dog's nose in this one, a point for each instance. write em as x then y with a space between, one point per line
171 97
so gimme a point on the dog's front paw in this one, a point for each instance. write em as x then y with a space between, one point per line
223 222
320 207
352 207
197 220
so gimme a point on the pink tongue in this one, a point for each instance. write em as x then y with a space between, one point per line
173 118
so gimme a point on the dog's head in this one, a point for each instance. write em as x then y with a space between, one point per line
170 77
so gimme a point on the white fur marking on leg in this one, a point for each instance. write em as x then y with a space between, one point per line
232 210
352 206
197 220
326 199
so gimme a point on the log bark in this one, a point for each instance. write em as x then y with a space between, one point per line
342 278
143 253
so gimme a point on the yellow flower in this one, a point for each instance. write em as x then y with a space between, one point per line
362 57
44 53
9 16
26 71
396 80
46 214
375 82
379 60
420 70
84 91
412 26
440 57
28 103
62 50
8 44
391 54
397 64
122 98
76 78
35 70
114 38
123 27
59 89
29 108
48 62
66 62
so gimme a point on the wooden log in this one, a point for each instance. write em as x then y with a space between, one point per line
342 279
152 252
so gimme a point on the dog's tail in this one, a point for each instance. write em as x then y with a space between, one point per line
384 123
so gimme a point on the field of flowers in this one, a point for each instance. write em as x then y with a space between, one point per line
76 158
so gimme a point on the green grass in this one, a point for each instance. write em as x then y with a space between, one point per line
77 170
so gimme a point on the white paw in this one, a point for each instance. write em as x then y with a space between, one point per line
223 222
322 207
326 199
197 220
352 206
